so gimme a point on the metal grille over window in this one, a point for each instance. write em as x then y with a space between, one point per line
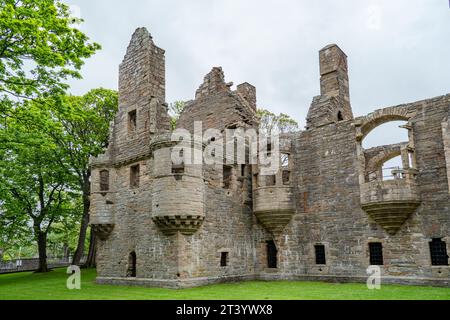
438 250
376 253
320 254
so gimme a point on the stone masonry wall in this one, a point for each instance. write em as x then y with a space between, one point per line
320 204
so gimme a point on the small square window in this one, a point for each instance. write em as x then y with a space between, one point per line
223 259
132 118
178 169
376 253
320 254
134 176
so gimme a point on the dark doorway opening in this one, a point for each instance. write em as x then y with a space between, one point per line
131 272
271 254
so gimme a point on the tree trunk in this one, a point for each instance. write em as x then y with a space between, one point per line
42 248
90 262
84 222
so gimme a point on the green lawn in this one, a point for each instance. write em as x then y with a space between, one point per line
52 285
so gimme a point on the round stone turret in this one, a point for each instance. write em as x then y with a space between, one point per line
178 188
273 202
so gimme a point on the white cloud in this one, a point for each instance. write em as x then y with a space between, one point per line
274 45
374 17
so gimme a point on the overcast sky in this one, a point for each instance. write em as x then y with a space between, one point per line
398 51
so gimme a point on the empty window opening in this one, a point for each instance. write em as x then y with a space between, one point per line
104 180
242 170
131 271
376 253
227 170
132 117
339 116
134 176
223 259
388 133
178 168
320 254
393 169
269 149
285 160
438 251
271 180
286 177
271 254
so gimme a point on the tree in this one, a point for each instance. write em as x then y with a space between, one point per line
82 132
33 186
39 49
270 123
175 110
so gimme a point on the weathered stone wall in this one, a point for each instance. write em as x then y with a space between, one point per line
179 223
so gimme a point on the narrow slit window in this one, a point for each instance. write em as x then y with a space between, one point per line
271 254
376 253
132 120
320 254
226 177
104 180
286 177
134 176
438 251
242 170
223 259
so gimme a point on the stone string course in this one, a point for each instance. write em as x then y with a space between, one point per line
178 224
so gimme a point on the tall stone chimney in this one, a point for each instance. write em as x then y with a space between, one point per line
334 77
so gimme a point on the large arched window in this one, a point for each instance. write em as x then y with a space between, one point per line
385 147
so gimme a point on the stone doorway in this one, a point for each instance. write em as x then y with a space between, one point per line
131 271
271 254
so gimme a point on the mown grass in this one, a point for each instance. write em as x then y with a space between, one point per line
52 286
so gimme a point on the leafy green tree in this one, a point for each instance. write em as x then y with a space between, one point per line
34 187
39 49
271 123
175 110
65 131
81 130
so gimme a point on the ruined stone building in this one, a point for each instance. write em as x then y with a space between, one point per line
327 214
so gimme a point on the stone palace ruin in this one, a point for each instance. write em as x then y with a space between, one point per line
328 213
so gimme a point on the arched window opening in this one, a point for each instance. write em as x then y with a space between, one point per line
339 116
387 133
